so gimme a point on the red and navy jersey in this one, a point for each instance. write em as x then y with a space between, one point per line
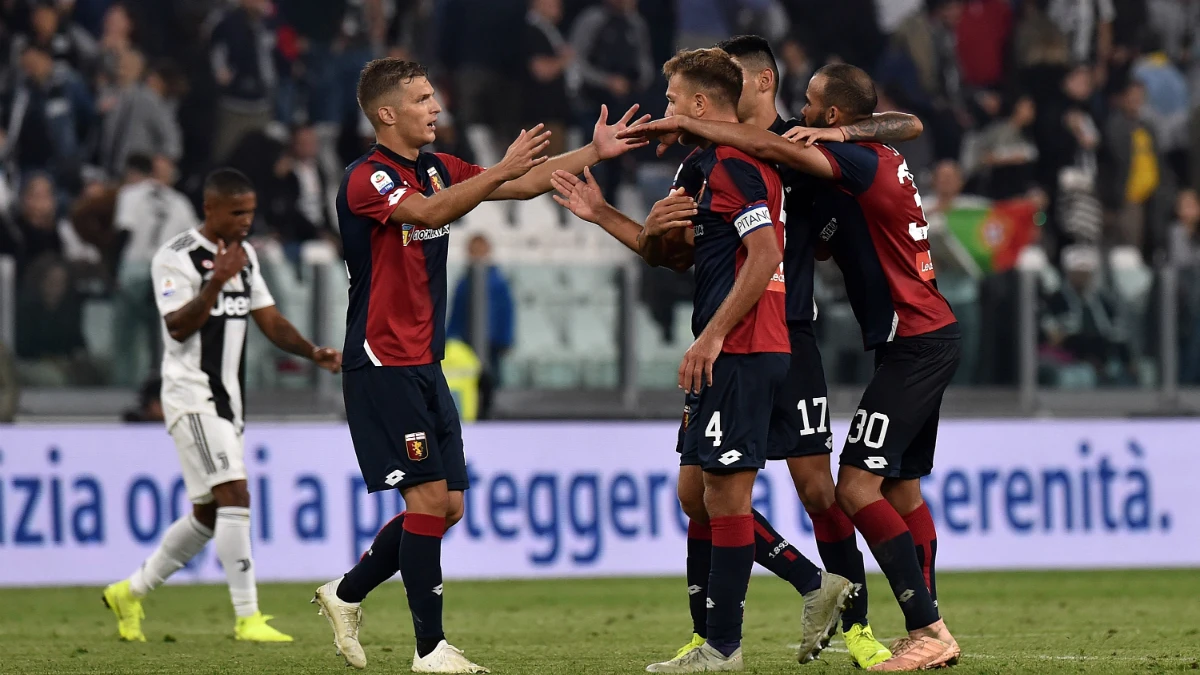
397 313
799 234
736 195
875 226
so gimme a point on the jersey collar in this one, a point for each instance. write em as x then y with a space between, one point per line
779 126
203 240
402 161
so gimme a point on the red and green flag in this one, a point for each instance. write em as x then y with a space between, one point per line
994 235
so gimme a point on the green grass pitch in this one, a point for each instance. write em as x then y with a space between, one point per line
1060 622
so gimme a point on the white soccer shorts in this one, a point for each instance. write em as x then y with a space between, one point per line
211 452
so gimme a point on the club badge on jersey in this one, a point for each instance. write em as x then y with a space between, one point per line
416 445
435 180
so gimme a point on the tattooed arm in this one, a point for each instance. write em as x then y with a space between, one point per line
888 127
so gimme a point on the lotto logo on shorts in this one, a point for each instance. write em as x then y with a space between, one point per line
417 446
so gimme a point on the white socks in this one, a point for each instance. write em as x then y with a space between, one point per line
233 549
183 541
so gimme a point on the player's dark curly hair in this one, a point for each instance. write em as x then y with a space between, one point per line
227 183
710 69
753 51
849 89
381 76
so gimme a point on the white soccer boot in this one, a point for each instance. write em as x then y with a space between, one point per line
703 659
445 658
344 618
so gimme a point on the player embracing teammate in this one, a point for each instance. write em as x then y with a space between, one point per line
870 220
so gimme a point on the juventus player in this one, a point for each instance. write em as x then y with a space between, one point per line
206 283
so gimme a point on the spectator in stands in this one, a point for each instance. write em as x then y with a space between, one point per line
612 43
149 407
612 47
66 42
548 57
500 317
48 114
244 69
982 40
148 213
1007 154
116 39
1184 254
37 225
136 118
797 71
1167 104
1130 171
296 201
50 347
1081 320
1067 138
923 67
1088 27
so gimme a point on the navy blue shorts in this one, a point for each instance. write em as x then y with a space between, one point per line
894 431
405 427
726 426
800 419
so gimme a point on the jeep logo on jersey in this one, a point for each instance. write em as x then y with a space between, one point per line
231 305
829 229
411 233
382 182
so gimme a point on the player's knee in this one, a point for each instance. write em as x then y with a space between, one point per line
205 514
816 493
693 506
429 498
454 512
235 493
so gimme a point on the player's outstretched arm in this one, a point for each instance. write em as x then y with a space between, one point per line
886 127
185 321
450 204
749 139
605 145
284 335
763 257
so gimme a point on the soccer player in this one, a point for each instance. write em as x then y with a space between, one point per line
876 232
736 365
207 281
395 206
799 426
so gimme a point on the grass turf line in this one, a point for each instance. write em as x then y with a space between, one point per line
1050 622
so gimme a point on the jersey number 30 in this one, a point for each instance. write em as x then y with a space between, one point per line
918 231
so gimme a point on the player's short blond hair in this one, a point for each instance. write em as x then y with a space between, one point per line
381 77
712 70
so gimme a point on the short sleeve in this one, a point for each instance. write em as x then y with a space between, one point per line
854 165
260 295
174 283
376 191
459 170
739 193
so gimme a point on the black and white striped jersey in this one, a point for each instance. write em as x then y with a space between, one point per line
205 373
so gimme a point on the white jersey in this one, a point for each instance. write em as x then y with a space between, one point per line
204 373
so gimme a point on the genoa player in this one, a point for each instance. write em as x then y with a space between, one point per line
395 206
207 283
877 233
736 365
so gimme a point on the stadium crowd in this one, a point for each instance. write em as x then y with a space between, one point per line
112 112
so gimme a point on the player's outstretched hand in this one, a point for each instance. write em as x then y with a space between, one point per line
667 130
607 137
810 135
524 153
669 213
697 367
580 196
328 358
229 262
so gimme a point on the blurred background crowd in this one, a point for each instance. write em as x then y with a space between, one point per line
1061 141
